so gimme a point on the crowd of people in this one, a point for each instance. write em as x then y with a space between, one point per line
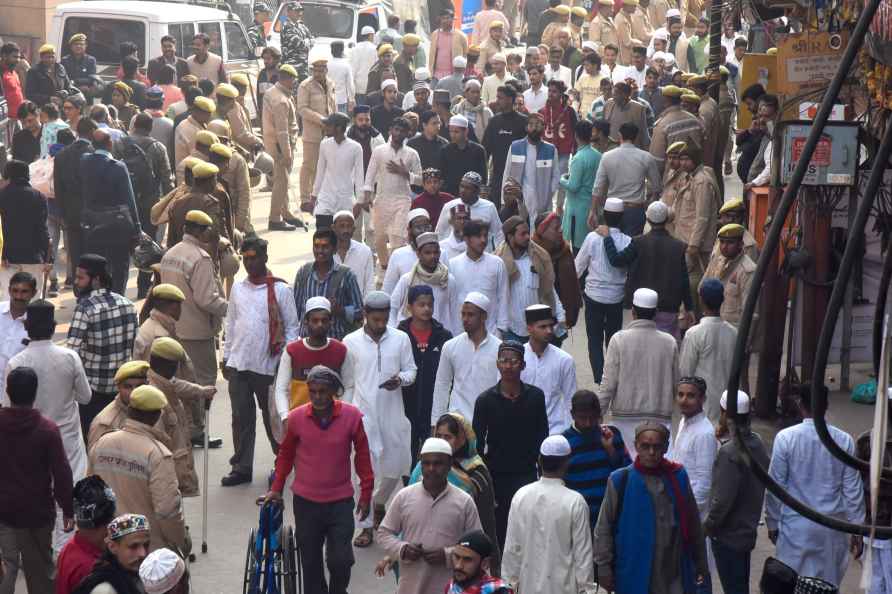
469 201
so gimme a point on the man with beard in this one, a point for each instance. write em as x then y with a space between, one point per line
479 209
353 254
471 559
538 183
461 156
368 138
118 568
596 450
454 244
428 270
102 331
504 128
404 258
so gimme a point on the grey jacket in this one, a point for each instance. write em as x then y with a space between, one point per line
737 494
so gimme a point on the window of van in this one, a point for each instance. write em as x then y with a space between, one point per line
213 31
104 36
324 20
183 33
237 44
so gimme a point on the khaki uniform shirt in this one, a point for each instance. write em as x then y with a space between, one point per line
675 124
240 123
238 185
188 266
626 39
712 123
488 49
139 468
314 103
750 247
602 30
696 211
184 138
642 29
736 276
177 392
675 182
279 122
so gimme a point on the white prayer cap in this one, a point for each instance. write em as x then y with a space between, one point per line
670 59
377 300
367 31
344 213
663 34
478 299
613 205
315 303
556 446
645 298
388 83
160 571
743 402
499 57
472 82
435 445
459 121
460 62
673 13
589 45
422 73
658 56
657 212
418 212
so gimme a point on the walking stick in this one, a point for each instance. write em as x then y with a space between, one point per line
204 494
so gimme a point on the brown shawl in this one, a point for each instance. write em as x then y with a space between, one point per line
541 262
567 283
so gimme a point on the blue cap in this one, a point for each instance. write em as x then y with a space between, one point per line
361 109
56 148
712 290
155 92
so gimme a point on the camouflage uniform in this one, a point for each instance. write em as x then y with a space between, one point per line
256 35
296 44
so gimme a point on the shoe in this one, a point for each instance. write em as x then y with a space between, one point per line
728 169
213 443
235 478
295 221
54 289
280 226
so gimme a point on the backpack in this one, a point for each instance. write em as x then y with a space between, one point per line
142 175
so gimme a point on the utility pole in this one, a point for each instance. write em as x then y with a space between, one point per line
815 291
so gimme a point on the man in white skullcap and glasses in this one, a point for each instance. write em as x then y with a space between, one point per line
425 521
548 547
640 371
479 209
467 362
404 258
379 363
164 572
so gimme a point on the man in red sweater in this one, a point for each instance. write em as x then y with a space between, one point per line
94 509
35 472
320 437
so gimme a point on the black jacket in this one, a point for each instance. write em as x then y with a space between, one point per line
511 431
457 162
418 398
67 181
25 235
156 66
83 71
40 86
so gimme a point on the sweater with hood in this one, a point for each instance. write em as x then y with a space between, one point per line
34 470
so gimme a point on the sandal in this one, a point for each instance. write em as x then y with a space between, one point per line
364 538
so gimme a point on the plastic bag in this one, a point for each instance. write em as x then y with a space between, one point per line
865 393
146 253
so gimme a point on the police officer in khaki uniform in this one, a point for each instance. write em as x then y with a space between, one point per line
189 267
164 359
229 106
623 23
602 29
315 102
200 114
139 468
734 268
279 138
129 376
734 211
203 197
675 180
713 148
160 212
674 125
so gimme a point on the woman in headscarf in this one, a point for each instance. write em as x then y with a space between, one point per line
468 473
120 98
548 234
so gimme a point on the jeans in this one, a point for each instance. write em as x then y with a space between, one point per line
54 224
632 223
733 568
329 524
34 545
602 321
244 387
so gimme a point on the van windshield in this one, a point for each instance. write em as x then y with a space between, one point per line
325 20
104 36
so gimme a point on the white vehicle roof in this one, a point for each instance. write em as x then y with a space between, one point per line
162 12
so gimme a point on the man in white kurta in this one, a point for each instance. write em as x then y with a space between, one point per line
353 254
478 271
548 368
467 362
62 385
403 259
379 363
707 350
695 446
479 209
548 547
12 332
802 465
340 172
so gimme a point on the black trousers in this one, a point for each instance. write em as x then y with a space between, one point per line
144 280
505 485
329 524
244 388
324 221
91 409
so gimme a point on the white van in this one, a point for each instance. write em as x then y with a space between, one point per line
108 23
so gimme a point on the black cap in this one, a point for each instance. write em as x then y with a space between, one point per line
361 109
93 263
41 311
442 96
477 541
336 119
537 313
94 502
511 345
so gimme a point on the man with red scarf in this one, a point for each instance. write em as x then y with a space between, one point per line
260 321
648 539
560 122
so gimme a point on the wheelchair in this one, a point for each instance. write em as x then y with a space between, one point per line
272 564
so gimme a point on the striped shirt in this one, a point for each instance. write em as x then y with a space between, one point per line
345 292
590 466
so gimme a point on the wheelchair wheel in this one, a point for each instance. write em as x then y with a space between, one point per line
250 563
290 563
